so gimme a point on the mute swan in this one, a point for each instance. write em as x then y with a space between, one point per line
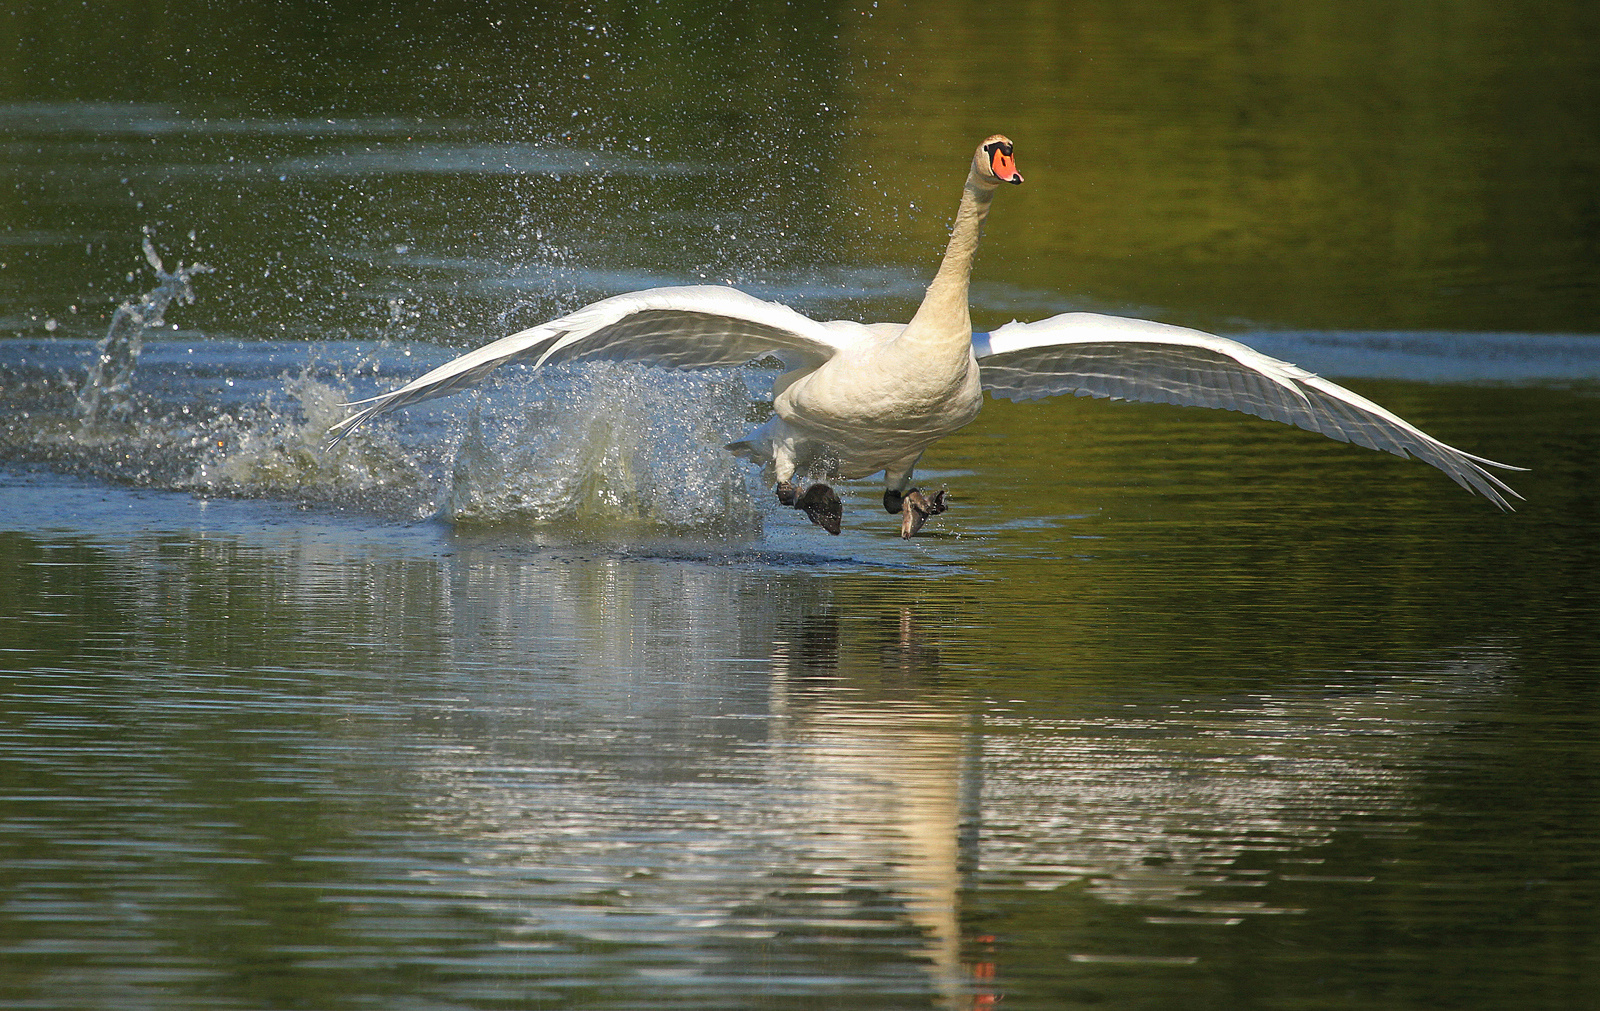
862 398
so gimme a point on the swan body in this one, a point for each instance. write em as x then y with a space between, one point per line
859 398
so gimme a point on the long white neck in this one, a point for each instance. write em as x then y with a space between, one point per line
945 317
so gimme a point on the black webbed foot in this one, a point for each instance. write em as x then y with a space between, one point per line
819 502
822 507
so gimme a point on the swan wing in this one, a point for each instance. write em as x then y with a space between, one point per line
1091 355
703 326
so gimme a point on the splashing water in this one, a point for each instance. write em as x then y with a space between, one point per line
595 451
106 393
279 449
609 447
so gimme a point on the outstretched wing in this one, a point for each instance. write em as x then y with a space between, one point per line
704 326
1091 355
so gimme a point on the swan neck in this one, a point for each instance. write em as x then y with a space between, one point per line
945 307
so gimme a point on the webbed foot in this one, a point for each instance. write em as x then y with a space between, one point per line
818 501
915 508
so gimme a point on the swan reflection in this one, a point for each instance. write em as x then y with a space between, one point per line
847 784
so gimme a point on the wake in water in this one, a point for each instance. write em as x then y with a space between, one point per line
592 451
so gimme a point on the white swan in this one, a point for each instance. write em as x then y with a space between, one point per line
862 398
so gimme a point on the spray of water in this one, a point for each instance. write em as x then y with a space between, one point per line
608 447
279 449
106 393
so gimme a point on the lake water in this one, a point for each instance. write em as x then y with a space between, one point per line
535 698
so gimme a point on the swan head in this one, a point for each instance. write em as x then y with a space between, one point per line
993 163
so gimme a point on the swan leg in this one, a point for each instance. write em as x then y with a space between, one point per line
900 497
818 501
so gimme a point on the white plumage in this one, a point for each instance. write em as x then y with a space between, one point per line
862 398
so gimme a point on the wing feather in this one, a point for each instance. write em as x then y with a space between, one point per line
1090 355
703 326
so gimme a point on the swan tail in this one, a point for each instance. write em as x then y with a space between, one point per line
754 449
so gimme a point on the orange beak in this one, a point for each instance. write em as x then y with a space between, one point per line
1004 167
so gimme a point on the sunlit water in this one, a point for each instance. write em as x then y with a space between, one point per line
534 697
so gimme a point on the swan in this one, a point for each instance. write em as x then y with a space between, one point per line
859 398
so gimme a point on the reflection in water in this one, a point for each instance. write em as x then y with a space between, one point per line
889 776
1190 812
576 773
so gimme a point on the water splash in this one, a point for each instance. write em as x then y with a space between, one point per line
600 452
597 452
107 391
608 449
279 449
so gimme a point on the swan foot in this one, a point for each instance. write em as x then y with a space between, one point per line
915 508
819 502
